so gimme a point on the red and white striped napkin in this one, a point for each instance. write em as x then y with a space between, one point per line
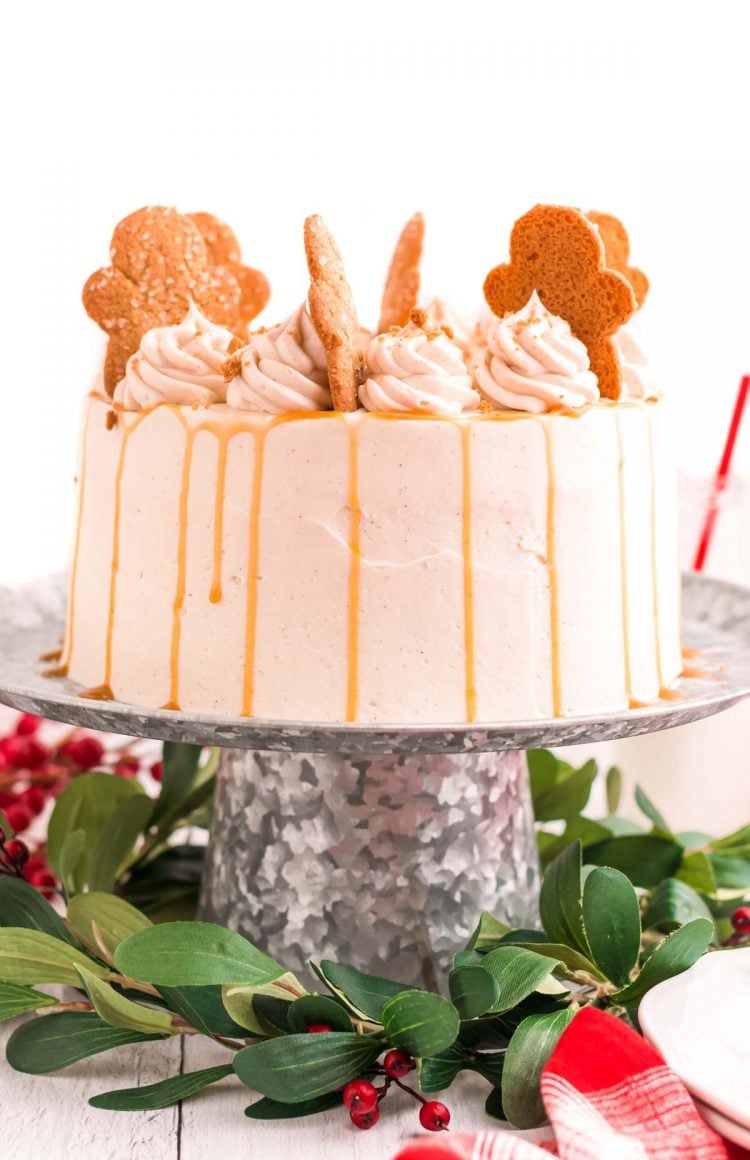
608 1096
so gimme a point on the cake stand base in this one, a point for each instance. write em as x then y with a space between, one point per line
383 862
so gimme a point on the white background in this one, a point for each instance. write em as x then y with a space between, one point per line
471 112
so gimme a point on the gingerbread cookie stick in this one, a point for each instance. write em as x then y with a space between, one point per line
159 264
558 252
617 251
224 252
333 313
401 290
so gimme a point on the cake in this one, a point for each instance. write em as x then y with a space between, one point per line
295 524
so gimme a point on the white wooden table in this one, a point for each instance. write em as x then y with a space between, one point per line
48 1117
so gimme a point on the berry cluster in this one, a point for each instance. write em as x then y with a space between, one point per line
32 775
363 1098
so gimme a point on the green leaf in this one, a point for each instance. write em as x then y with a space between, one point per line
561 900
696 871
645 858
585 830
366 995
493 1105
22 905
487 934
179 772
293 1068
102 921
55 1041
738 840
558 791
614 789
671 957
439 1071
612 918
266 1109
517 972
202 1008
649 810
70 856
318 1009
730 872
5 827
128 821
672 904
248 1007
571 959
118 1011
87 803
473 990
17 1000
162 1094
420 1022
619 827
177 954
31 956
491 1065
532 1044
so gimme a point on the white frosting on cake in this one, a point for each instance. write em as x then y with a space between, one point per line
377 568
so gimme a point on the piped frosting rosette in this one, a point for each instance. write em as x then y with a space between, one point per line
177 364
533 362
282 369
417 369
634 374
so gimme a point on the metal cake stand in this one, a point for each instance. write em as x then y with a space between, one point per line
375 845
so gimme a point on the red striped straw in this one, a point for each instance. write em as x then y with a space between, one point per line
722 474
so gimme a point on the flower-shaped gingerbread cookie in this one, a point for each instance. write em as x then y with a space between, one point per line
333 313
401 290
160 263
224 251
617 251
558 252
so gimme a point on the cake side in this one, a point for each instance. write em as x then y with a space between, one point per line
319 567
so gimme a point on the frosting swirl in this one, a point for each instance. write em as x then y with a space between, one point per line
636 383
533 362
417 368
177 364
282 369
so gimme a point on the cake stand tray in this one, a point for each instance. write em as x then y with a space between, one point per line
716 622
374 845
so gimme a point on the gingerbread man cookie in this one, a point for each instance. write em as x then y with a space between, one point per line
558 252
333 313
402 284
224 251
617 251
160 263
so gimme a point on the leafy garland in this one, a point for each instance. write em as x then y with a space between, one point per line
622 908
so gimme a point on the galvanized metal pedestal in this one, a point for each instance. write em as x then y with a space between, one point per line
375 845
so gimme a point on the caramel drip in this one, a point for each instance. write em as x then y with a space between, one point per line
355 568
53 655
671 694
221 479
654 558
62 670
687 654
469 651
173 701
98 693
248 677
692 672
624 561
554 595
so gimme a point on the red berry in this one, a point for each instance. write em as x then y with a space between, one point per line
397 1063
34 797
360 1096
43 880
34 863
7 798
365 1120
741 919
19 817
319 1028
17 851
27 724
157 769
82 752
24 752
434 1116
127 767
4 763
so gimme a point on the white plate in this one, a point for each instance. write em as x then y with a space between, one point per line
699 1022
729 1129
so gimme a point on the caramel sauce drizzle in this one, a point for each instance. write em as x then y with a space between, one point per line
173 701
